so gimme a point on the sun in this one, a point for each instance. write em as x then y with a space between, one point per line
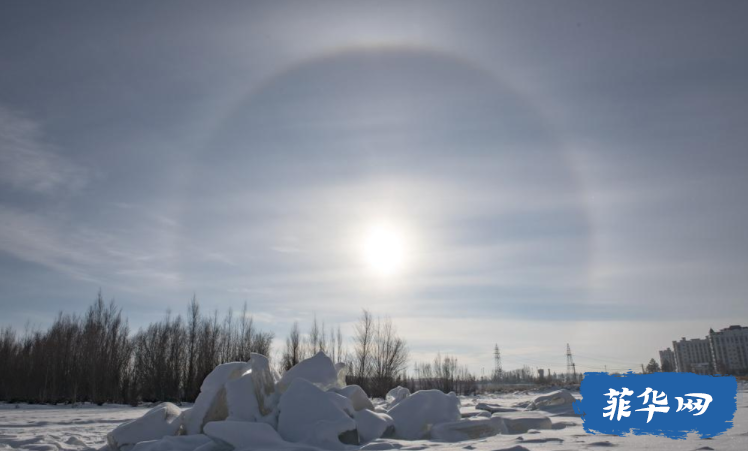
384 249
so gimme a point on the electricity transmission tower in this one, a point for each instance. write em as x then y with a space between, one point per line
496 364
571 369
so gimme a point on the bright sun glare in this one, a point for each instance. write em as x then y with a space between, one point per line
384 249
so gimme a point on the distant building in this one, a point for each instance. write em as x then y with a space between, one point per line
729 349
693 356
667 359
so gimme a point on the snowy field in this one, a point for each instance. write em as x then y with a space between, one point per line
47 428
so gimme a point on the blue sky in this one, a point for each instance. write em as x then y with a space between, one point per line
558 171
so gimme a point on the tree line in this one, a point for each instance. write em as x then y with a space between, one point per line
376 361
94 358
444 374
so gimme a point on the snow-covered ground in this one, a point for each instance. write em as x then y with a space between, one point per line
48 428
52 428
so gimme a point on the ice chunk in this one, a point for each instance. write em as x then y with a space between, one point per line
210 446
342 370
252 396
318 370
416 414
357 395
396 395
558 402
343 403
180 443
249 436
382 445
521 422
372 425
468 429
493 408
157 423
314 417
211 404
471 412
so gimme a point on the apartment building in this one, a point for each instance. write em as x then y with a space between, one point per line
729 350
693 356
667 359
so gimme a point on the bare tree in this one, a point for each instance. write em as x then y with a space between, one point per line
341 347
292 353
191 386
389 356
363 343
380 355
317 340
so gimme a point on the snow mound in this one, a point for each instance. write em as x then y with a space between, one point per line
396 395
372 425
558 402
319 370
211 404
416 414
161 421
314 417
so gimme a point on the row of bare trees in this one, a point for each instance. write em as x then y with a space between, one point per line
299 347
93 358
443 374
376 362
77 358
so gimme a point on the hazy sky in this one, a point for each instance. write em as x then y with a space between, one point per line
555 171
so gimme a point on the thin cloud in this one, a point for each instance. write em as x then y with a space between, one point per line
80 252
28 163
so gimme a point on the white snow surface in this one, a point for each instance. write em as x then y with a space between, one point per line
174 443
514 426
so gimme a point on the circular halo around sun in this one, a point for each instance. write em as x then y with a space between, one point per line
385 249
